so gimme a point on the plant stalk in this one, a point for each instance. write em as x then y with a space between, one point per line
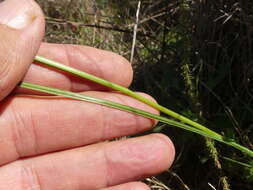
126 91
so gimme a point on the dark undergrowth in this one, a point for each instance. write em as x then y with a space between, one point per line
194 57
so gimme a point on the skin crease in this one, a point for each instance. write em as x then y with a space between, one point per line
53 143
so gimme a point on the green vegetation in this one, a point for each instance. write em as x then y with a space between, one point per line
185 123
194 57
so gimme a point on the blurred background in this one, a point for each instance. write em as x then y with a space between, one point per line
195 57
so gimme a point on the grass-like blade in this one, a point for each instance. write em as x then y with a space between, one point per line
237 162
78 96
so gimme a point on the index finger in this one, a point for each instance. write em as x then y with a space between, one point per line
101 63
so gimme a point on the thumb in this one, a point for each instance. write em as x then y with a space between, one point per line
21 32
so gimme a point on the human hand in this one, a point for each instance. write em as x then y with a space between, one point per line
53 143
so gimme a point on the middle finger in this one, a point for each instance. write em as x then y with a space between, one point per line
37 125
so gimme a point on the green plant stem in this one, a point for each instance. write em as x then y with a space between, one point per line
237 162
78 96
58 92
126 91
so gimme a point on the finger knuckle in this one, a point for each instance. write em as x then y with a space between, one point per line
24 133
28 176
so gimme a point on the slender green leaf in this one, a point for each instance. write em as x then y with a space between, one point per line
237 162
78 96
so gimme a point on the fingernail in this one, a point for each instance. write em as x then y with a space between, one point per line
18 14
